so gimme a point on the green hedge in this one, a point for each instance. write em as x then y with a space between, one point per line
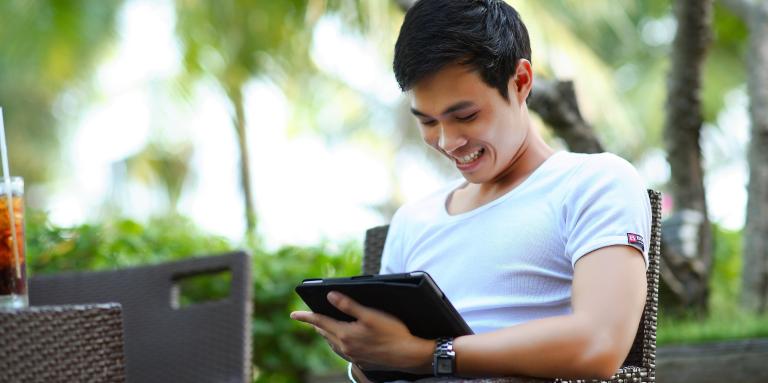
283 350
724 319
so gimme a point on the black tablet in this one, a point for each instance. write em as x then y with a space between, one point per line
413 297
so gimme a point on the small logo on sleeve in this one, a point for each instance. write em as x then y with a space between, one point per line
636 240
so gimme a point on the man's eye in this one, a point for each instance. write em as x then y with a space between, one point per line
428 122
467 118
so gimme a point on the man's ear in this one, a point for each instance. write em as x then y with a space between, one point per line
521 82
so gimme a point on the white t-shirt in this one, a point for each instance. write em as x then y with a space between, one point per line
512 259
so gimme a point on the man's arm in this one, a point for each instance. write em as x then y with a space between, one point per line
608 296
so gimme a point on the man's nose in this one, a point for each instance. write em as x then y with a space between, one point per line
450 139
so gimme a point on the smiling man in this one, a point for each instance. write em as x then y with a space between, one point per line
540 251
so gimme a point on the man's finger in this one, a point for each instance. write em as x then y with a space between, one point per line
333 341
318 320
330 337
348 305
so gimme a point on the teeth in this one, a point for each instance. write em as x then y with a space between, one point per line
470 157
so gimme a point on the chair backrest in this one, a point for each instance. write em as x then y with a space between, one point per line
643 351
82 343
205 342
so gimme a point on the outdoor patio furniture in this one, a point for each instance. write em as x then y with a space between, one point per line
164 341
640 364
73 343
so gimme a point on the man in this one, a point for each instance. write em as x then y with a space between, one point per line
541 252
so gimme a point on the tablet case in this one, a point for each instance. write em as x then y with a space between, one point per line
414 298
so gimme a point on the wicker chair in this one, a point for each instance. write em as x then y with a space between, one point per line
205 342
640 364
62 344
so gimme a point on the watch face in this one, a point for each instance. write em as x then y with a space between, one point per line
444 366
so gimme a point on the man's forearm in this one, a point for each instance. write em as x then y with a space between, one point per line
562 346
568 346
607 299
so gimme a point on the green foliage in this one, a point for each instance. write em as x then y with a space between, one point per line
725 281
725 319
117 243
725 66
718 325
283 350
196 289
236 40
45 48
225 38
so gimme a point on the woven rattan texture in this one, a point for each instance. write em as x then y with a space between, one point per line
640 364
374 246
207 342
62 344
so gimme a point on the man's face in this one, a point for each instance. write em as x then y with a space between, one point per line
470 122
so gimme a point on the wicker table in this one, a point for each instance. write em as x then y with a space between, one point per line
72 343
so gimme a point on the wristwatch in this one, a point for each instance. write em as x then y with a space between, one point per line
444 358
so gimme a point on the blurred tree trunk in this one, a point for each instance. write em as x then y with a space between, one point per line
235 95
555 102
687 256
755 242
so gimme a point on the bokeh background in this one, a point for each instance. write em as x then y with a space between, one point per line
148 130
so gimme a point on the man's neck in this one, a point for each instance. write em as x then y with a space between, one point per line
531 155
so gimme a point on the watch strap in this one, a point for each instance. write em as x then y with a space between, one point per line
444 358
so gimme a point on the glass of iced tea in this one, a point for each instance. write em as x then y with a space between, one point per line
13 277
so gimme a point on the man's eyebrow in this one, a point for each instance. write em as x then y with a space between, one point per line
457 106
417 113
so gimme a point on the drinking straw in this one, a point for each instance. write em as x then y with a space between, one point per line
7 180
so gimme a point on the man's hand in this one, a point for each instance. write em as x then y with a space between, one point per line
375 340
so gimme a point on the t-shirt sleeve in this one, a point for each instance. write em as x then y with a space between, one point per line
392 256
606 204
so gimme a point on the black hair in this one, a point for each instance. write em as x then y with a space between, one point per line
486 35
